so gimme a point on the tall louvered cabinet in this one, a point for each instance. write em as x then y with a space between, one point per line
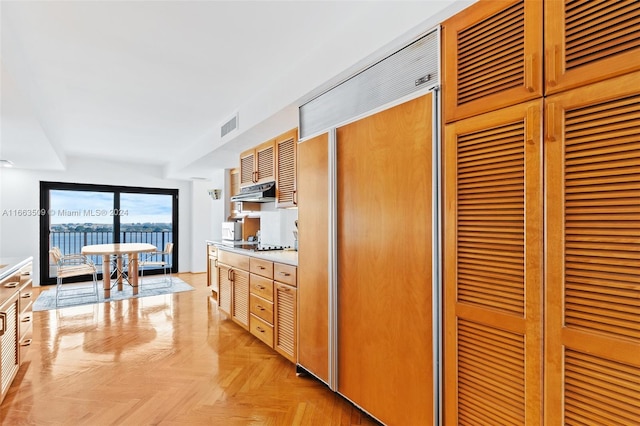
286 161
493 267
592 337
492 57
589 41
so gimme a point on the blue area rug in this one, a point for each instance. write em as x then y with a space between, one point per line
149 287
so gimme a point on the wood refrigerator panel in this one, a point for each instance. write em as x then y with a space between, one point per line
384 256
313 256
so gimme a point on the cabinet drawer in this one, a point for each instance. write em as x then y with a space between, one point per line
261 330
262 287
26 297
26 320
261 308
24 343
285 274
261 267
212 251
233 259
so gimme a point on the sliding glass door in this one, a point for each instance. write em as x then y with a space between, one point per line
82 214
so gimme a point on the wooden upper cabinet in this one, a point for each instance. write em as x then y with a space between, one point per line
257 165
286 161
590 41
492 57
592 334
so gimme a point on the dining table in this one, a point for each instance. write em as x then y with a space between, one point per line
119 250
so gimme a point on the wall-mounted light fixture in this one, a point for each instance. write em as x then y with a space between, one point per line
215 193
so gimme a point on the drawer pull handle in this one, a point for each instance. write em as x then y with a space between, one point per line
286 274
260 329
26 295
12 284
26 342
26 319
260 267
260 287
260 307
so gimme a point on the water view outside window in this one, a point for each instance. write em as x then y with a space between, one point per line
80 218
148 219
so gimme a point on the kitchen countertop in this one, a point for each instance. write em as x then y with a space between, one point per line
290 257
9 265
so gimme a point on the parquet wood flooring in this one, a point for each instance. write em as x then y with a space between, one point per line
162 360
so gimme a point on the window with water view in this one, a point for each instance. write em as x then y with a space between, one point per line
80 215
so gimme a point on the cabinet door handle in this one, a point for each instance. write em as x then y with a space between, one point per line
551 121
26 295
529 73
3 320
552 65
295 196
26 342
215 263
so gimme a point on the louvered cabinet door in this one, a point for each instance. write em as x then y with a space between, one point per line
590 41
493 268
492 57
593 254
240 305
224 289
285 321
9 355
265 162
286 162
247 168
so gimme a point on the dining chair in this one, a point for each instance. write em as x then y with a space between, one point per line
158 259
73 265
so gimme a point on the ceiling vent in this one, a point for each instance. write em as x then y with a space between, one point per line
229 126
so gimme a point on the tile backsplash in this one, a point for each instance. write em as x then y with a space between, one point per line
277 225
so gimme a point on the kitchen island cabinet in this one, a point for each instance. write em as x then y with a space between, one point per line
16 298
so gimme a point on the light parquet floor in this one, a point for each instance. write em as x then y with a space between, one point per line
162 360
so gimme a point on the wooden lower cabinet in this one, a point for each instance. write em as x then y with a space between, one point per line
265 308
285 321
16 324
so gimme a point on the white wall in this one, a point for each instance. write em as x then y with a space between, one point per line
19 190
206 216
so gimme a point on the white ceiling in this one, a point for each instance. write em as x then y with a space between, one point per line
152 81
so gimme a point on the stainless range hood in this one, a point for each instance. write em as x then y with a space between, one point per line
260 193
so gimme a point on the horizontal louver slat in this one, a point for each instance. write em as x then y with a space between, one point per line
600 390
491 384
491 220
595 31
286 171
602 218
491 54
